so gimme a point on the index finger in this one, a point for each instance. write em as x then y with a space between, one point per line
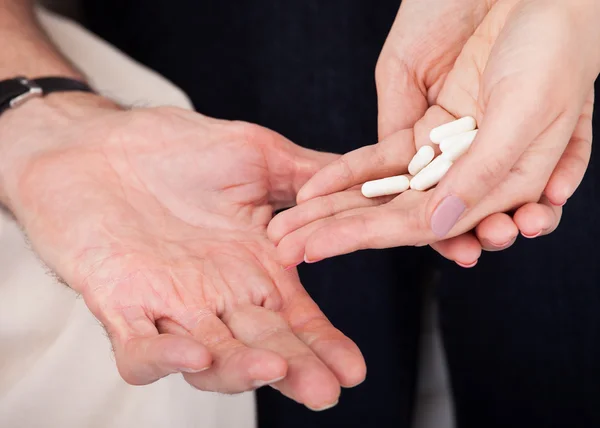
389 157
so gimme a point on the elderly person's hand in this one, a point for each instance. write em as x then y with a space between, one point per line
158 218
527 75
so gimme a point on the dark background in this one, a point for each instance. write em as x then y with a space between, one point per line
521 330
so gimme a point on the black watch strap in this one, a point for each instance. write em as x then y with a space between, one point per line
14 92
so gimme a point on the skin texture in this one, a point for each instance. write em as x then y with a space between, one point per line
158 218
534 141
423 44
422 47
171 253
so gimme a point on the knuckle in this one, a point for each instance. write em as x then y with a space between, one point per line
329 204
347 172
389 66
518 171
418 220
365 230
247 131
379 157
489 171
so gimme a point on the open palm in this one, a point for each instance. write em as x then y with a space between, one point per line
162 228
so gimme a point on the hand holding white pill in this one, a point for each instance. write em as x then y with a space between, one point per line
511 144
528 108
409 78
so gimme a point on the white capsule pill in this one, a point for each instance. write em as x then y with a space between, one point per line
464 124
385 186
421 160
454 147
431 174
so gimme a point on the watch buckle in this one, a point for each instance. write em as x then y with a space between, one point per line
33 91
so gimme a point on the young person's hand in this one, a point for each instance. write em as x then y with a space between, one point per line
527 75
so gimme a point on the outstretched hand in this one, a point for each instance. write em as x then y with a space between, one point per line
534 141
158 218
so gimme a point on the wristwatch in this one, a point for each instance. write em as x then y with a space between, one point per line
14 92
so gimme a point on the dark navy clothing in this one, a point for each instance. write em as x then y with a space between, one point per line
521 330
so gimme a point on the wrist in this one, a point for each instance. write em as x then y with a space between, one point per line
40 126
67 104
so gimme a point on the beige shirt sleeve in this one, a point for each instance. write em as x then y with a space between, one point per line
56 365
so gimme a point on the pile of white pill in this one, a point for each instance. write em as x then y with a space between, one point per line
425 170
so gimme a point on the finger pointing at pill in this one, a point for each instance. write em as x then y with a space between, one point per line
387 158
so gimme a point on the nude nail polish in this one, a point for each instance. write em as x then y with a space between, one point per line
446 215
307 261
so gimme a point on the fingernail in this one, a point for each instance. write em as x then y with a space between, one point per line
274 387
188 370
292 266
306 260
493 246
467 266
532 236
353 385
260 383
446 215
320 409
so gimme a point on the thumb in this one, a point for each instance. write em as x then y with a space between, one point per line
512 122
289 167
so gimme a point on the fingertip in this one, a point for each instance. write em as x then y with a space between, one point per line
471 257
303 194
469 265
497 232
341 355
309 190
289 252
310 383
196 357
313 250
276 228
324 407
318 392
557 194
143 360
352 369
341 236
266 367
180 353
463 249
536 219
